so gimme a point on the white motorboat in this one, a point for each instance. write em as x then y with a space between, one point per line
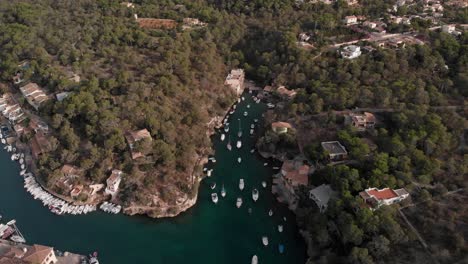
214 198
265 240
223 191
229 146
208 173
280 228
239 144
255 195
239 202
239 133
205 169
264 184
270 105
270 213
223 137
255 120
252 150
238 100
245 113
248 106
3 141
241 184
239 159
17 239
265 164
213 186
23 166
226 128
243 98
251 131
21 161
254 260
252 126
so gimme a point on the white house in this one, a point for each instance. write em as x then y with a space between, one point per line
375 198
350 20
235 80
113 182
351 52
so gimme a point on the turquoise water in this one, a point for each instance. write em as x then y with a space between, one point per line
206 233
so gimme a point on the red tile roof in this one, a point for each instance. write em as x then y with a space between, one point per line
383 194
281 125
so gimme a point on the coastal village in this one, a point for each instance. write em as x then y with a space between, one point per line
305 151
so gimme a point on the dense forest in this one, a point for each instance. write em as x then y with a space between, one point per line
171 83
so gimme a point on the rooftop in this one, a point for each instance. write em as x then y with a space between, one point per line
296 172
334 147
281 125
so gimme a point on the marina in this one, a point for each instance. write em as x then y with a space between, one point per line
241 238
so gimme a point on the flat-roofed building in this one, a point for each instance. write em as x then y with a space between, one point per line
321 195
335 150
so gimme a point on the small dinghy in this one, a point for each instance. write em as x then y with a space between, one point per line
239 159
281 248
223 191
280 228
239 144
213 186
254 260
209 172
3 141
223 137
252 126
270 213
255 120
251 131
265 240
205 169
252 150
241 184
248 106
265 164
214 198
239 202
243 98
264 184
255 195
226 129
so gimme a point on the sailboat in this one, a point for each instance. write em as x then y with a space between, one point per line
239 133
255 195
241 184
239 202
254 259
223 191
214 198
229 147
223 137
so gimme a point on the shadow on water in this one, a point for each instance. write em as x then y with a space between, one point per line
206 233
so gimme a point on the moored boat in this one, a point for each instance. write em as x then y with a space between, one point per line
241 184
213 185
214 198
245 113
239 159
239 144
265 240
239 202
255 195
280 228
223 191
270 213
223 137
281 248
264 184
254 260
251 131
